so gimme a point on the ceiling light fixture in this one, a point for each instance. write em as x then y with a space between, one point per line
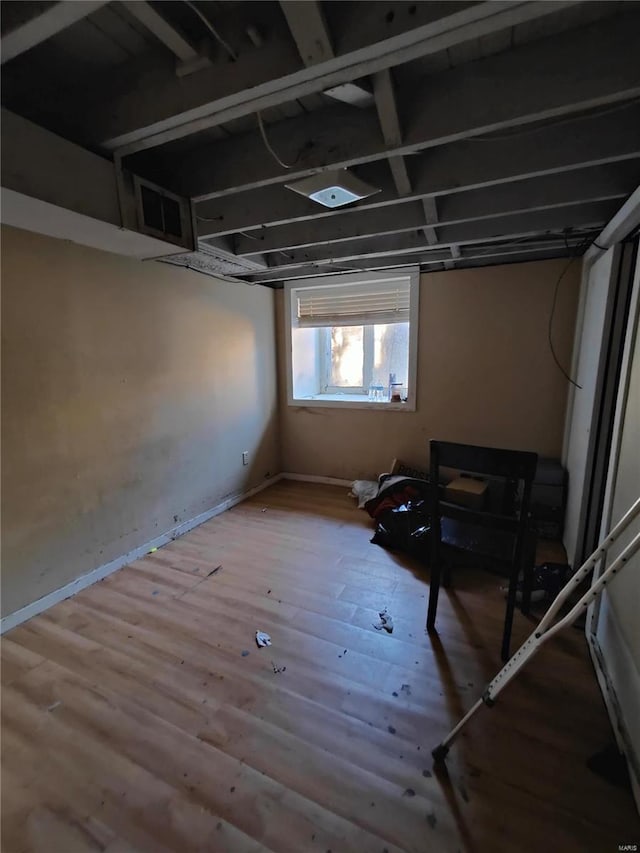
333 188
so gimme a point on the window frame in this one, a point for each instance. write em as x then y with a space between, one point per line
348 398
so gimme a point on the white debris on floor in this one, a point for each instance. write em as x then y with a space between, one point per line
385 623
262 639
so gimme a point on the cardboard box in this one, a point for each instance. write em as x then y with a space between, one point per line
466 491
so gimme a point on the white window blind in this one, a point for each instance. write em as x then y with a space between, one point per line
353 304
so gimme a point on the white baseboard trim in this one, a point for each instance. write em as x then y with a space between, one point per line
314 478
614 710
47 601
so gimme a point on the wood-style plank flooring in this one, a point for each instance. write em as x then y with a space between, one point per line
132 721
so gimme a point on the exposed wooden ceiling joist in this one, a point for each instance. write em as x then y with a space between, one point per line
434 258
44 25
535 82
466 165
390 125
313 40
431 217
167 33
309 30
497 228
570 188
165 111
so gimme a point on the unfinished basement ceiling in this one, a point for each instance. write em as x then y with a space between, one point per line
495 132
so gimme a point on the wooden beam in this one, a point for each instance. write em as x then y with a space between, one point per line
165 32
163 112
464 166
536 82
494 253
311 34
43 26
309 30
430 210
495 229
543 193
390 125
456 254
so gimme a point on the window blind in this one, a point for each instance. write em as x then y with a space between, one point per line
354 304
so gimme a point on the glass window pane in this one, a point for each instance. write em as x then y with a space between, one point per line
390 353
347 356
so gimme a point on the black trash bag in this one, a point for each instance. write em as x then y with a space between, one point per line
405 528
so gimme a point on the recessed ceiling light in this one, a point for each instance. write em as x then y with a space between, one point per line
333 188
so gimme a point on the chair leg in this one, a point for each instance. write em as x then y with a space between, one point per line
508 618
434 590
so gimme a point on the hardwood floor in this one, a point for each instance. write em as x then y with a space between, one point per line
132 720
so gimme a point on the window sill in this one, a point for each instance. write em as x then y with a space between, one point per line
351 401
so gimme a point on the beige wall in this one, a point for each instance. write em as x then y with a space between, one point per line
129 391
485 376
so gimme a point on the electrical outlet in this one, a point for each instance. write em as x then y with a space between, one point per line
245 457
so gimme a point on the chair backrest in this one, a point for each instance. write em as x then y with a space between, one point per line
511 465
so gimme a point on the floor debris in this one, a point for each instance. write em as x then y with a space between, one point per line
277 669
262 639
409 792
391 730
385 623
54 706
245 653
406 689
431 820
214 571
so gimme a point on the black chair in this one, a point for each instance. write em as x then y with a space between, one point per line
501 533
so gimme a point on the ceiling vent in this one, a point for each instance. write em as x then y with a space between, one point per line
163 214
333 188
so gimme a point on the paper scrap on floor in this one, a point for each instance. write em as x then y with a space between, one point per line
364 490
386 622
262 639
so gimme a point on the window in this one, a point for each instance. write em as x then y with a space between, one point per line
353 339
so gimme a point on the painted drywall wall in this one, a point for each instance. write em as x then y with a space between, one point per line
597 286
129 391
485 376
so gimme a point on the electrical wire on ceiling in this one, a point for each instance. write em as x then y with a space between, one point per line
212 30
268 144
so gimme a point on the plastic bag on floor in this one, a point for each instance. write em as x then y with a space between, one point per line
405 528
